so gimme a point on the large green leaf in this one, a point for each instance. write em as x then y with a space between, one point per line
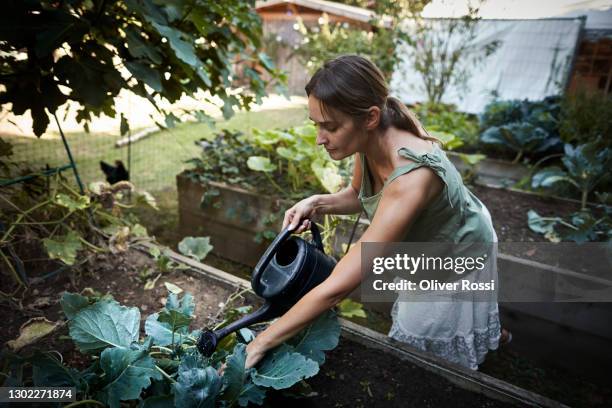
48 371
549 176
328 175
127 373
195 247
183 49
238 386
260 163
184 305
141 48
197 385
103 324
145 74
64 247
283 368
175 319
176 315
72 303
323 334
541 225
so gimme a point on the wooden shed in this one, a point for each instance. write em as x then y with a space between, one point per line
281 37
593 63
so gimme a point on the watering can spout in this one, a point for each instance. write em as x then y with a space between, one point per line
288 269
207 343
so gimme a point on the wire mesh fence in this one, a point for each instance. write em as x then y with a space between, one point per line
153 158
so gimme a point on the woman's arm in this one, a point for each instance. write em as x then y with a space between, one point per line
400 204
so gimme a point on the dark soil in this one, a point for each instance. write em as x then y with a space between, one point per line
509 211
117 275
356 376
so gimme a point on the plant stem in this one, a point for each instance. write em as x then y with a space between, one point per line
20 217
518 157
12 269
583 199
165 374
90 245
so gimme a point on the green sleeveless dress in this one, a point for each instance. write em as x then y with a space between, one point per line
461 332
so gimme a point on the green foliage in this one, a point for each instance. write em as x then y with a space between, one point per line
328 40
582 226
349 308
285 163
64 247
95 48
283 368
195 247
66 225
197 384
104 324
586 165
127 373
586 117
126 368
445 118
522 127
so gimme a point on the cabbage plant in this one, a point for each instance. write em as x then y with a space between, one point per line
585 166
165 369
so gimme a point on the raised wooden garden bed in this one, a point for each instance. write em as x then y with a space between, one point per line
581 328
373 370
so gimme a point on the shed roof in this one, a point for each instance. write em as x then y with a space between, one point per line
360 14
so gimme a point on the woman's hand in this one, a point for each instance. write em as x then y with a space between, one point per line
304 210
254 354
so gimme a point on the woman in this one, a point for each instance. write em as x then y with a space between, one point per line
410 192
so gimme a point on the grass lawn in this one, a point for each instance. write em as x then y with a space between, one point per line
156 160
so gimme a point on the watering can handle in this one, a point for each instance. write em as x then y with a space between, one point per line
280 238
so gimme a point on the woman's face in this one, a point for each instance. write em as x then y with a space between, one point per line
337 134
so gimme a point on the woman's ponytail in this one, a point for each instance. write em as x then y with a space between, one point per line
353 84
402 118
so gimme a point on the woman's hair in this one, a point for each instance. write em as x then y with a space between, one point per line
352 84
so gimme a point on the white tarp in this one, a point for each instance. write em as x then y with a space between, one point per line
532 61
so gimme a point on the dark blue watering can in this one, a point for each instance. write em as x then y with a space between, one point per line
290 268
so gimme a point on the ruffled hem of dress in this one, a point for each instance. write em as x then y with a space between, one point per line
468 351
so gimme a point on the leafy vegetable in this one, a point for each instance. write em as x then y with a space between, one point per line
103 324
586 165
196 248
165 369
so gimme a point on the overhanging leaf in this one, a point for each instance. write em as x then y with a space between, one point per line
237 383
103 324
127 373
284 368
323 334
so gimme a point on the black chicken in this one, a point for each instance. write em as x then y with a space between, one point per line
115 173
